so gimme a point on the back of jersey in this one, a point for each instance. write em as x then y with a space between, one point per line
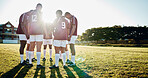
61 28
35 22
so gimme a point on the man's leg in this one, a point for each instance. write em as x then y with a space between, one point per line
30 52
57 56
50 52
72 47
44 51
22 46
67 54
63 55
27 49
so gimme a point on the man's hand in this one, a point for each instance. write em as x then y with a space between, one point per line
69 38
27 36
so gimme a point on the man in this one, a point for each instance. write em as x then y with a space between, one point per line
23 34
47 41
61 28
36 34
72 36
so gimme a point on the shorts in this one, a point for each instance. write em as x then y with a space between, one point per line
28 41
37 38
59 43
73 39
47 41
22 37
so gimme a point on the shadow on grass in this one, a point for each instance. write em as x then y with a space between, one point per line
23 72
81 73
52 75
69 73
13 72
42 75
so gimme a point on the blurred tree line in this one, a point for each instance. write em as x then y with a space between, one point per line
116 32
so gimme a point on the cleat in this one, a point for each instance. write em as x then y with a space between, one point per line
44 59
51 59
53 67
24 63
68 61
71 65
60 59
40 66
33 59
29 65
65 67
27 60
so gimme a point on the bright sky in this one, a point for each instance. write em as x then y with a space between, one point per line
90 13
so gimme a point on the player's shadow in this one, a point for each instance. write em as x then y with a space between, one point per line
13 72
81 73
69 73
23 72
53 71
52 75
42 75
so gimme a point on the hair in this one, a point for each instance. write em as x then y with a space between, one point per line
66 13
39 4
59 12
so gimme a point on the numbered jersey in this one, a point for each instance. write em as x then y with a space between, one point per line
61 27
35 22
49 31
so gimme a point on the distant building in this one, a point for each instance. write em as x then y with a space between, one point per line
8 33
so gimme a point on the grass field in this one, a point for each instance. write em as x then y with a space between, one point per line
91 62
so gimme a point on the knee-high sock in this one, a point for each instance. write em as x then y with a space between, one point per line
44 53
50 52
73 58
22 57
26 54
38 54
64 58
67 54
30 56
60 54
57 59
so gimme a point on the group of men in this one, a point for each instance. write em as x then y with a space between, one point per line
33 31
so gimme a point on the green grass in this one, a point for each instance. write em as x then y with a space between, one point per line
91 61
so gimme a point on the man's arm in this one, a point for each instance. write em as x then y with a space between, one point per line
73 30
23 26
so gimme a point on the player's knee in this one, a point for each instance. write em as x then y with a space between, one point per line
50 46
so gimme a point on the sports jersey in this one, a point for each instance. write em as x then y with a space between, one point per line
23 21
49 31
35 23
73 21
61 27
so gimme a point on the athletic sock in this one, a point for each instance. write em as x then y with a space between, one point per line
22 58
57 59
50 50
60 54
73 59
44 53
64 58
67 54
26 54
30 56
38 54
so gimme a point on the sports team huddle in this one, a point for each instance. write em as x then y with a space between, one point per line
34 32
